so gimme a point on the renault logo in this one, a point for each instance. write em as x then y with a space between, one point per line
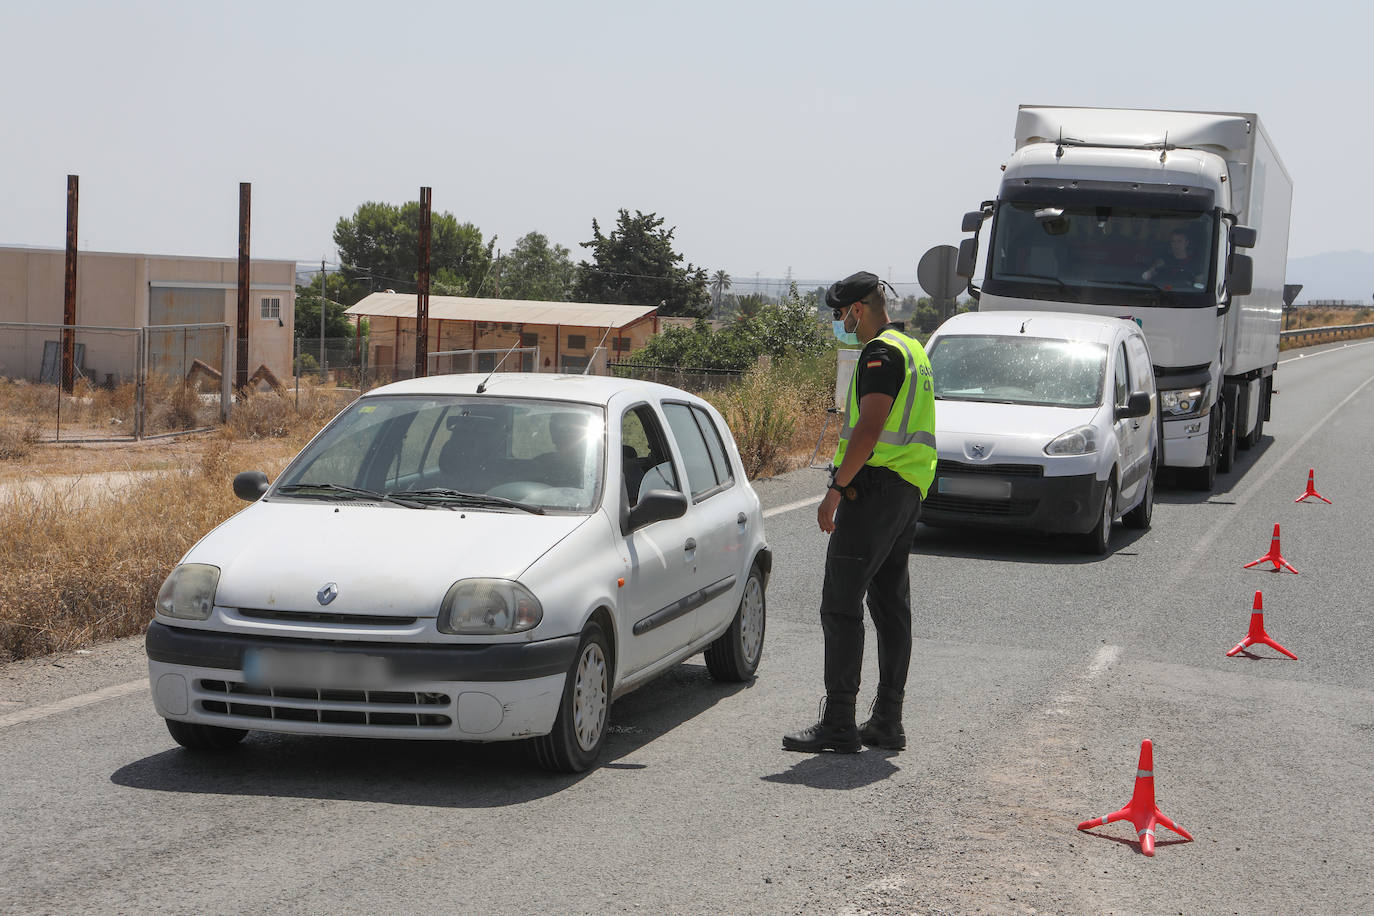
328 593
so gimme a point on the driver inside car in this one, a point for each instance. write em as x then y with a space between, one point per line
564 466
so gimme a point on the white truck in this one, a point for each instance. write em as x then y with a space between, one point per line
1150 215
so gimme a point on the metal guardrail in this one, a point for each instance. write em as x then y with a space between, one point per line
1335 332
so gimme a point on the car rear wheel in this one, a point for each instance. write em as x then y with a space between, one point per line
1098 541
735 654
580 728
1139 517
197 737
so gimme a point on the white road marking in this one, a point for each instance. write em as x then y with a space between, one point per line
1103 659
1294 359
85 699
788 507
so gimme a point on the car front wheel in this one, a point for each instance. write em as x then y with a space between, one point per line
196 737
735 654
1139 517
1098 541
580 729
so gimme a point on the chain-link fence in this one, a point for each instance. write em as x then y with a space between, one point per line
688 378
125 383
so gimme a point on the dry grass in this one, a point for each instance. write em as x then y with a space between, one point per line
777 413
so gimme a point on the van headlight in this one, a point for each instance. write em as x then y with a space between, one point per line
189 592
487 607
1184 402
1081 440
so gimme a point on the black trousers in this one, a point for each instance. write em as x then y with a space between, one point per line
868 555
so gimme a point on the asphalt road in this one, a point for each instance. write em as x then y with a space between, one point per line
1037 672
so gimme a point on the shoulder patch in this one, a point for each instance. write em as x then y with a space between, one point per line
873 363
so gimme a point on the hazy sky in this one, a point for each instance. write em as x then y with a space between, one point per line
817 137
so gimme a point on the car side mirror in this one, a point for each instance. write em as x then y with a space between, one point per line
968 258
1244 236
250 485
1240 274
973 220
1137 405
657 505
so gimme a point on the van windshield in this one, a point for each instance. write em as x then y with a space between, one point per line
1037 371
1102 255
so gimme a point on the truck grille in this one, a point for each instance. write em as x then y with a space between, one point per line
981 508
1001 470
335 707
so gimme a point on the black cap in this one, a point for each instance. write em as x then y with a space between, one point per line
850 290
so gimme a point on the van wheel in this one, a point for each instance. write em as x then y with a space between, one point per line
1139 517
735 654
580 728
197 737
1098 541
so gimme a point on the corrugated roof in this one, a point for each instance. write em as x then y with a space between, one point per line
463 308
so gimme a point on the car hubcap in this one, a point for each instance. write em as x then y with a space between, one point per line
1107 516
589 697
751 619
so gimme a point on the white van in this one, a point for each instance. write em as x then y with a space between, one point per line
1044 421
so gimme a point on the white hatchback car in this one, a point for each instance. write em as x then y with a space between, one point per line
449 559
1045 421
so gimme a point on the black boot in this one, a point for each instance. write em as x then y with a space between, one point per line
884 726
835 731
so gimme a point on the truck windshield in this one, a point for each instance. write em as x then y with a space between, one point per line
1102 255
1039 371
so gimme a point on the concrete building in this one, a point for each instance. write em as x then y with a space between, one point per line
565 333
116 290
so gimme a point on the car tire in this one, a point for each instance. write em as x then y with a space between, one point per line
1139 517
1098 541
1205 477
197 737
580 727
1226 455
735 654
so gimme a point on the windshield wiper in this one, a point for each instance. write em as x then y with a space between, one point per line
471 499
339 491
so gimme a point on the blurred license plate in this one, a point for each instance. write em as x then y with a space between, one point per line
285 668
977 487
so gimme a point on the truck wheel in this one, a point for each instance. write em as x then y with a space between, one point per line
1098 541
580 728
735 654
1139 517
1226 456
1205 477
196 737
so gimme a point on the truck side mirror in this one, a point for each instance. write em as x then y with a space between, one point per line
1244 237
973 221
968 256
1240 274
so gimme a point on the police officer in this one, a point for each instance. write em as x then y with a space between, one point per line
882 470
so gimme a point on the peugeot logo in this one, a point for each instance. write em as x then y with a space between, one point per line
328 593
978 451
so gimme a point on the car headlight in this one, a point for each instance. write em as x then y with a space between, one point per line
189 592
1081 440
1184 402
486 607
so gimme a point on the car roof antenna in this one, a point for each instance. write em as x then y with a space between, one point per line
482 386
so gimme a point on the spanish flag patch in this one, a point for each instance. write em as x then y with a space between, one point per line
873 364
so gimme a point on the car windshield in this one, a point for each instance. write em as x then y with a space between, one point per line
456 451
1101 255
1018 370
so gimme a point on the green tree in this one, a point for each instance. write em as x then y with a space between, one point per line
534 269
336 324
789 327
379 247
720 282
636 265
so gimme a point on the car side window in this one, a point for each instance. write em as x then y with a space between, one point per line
645 460
1140 362
700 469
725 475
1123 385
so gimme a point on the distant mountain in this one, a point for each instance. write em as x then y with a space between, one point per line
1345 275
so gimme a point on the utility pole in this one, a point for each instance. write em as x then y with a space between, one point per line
323 300
422 296
245 226
68 377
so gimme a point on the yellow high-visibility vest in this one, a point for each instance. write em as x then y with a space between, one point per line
907 442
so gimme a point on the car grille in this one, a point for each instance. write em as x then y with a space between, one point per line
333 707
1001 470
984 508
366 620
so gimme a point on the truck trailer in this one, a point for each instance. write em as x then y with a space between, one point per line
1177 219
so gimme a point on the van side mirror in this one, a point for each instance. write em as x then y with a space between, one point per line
968 257
655 506
250 485
973 221
1137 405
1244 237
1240 274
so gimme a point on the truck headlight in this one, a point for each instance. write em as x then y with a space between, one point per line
1184 402
487 607
1081 440
189 592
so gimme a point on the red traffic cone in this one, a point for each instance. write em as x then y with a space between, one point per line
1311 489
1273 556
1257 634
1141 810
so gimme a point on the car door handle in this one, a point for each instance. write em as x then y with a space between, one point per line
690 545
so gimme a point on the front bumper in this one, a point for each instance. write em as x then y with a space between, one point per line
1053 504
1185 441
487 692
